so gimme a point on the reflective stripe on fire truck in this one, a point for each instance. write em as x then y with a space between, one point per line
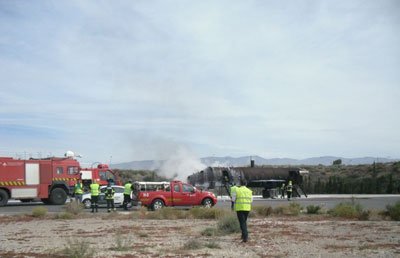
11 183
64 179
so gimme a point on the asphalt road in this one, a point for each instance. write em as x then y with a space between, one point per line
369 202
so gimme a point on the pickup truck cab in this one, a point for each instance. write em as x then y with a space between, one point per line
156 195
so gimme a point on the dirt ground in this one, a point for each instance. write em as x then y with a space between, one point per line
121 236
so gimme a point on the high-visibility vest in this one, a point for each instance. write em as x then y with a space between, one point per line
127 189
233 189
78 188
110 193
289 188
243 199
94 189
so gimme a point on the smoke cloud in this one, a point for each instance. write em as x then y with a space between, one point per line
181 164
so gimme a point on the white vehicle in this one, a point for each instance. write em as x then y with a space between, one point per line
118 197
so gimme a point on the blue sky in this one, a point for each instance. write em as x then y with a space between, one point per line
140 80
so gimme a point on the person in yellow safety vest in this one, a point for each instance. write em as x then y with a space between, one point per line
243 197
94 198
110 197
127 194
289 190
283 191
233 189
78 191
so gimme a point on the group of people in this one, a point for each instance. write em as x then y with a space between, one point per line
109 193
241 196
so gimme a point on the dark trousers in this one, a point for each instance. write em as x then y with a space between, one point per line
127 199
242 217
110 204
95 202
289 195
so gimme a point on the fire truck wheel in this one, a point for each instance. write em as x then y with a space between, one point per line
87 203
208 203
58 196
157 204
3 197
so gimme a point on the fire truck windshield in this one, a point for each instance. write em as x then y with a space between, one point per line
107 175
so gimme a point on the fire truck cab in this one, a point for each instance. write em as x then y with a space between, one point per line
102 174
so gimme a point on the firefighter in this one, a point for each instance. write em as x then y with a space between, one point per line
94 191
127 194
110 197
233 189
78 191
283 191
243 198
289 190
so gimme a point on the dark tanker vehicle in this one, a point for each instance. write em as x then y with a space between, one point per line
270 179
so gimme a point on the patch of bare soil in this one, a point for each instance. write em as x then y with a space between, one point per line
121 236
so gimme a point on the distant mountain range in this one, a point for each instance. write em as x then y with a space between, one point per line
245 161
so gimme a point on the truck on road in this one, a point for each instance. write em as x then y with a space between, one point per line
156 195
50 179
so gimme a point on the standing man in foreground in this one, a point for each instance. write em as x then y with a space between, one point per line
127 194
243 197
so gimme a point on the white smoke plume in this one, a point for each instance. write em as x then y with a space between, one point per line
181 164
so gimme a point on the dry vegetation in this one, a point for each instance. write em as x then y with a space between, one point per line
201 232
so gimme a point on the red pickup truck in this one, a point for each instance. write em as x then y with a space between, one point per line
156 195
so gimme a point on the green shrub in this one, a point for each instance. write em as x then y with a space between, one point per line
64 215
140 214
364 215
209 232
206 213
345 210
393 211
75 207
311 209
39 211
77 248
288 210
263 211
228 224
143 234
212 244
193 244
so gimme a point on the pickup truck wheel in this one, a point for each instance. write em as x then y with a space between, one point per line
87 203
208 203
3 197
58 196
157 204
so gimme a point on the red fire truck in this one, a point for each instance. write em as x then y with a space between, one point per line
156 195
49 179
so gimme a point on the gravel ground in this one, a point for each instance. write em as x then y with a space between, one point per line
119 235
